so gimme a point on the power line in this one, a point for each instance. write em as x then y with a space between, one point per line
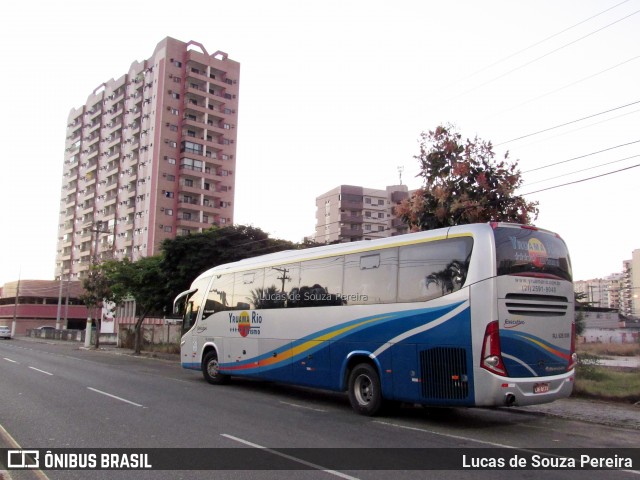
581 128
567 123
545 55
581 156
540 42
583 180
567 86
582 170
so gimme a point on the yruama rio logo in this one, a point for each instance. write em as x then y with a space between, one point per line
244 324
537 252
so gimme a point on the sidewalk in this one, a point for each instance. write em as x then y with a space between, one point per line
592 411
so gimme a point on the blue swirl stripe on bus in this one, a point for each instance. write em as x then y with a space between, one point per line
526 355
376 329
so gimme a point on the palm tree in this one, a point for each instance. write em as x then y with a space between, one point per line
451 278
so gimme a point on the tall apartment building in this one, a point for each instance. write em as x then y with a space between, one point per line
149 156
630 286
349 213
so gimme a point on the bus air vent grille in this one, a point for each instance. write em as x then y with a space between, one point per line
444 373
536 305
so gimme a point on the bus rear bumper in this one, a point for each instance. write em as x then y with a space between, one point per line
512 392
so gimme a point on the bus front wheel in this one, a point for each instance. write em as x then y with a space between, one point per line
365 392
211 369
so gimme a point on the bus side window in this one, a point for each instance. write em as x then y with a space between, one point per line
247 290
371 277
321 282
433 269
193 304
220 294
281 284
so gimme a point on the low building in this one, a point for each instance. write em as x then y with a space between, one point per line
42 303
606 325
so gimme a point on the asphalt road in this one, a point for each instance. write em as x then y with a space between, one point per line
55 395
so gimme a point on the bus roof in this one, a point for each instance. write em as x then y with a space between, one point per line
292 256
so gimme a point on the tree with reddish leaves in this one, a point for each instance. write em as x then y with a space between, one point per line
464 183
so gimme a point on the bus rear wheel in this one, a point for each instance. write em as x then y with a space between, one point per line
365 393
211 369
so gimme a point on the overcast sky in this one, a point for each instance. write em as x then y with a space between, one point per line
337 92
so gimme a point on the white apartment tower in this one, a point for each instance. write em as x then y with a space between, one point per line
349 213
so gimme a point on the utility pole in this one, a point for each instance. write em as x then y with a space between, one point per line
94 261
284 276
15 308
59 301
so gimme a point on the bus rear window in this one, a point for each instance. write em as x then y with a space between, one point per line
523 251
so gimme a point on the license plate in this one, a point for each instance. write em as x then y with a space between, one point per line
541 388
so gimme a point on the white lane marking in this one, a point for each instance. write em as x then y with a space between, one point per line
493 444
11 442
448 435
303 406
289 457
41 371
9 360
116 397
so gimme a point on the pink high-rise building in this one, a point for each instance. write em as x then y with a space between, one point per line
150 155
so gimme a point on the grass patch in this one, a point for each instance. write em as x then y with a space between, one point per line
596 381
610 349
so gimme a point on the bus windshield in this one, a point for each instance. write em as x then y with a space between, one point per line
531 252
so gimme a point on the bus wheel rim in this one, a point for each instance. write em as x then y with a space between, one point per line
213 368
363 390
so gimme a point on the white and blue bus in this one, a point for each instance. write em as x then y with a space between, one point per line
471 315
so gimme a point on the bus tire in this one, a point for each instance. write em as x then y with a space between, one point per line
211 369
365 392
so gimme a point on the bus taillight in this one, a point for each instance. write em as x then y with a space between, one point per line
491 355
574 356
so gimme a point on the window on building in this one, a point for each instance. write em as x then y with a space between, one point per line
168 229
168 211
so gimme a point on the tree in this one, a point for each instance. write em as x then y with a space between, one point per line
187 256
98 290
145 281
463 183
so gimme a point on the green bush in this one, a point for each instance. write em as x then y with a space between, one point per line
588 367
